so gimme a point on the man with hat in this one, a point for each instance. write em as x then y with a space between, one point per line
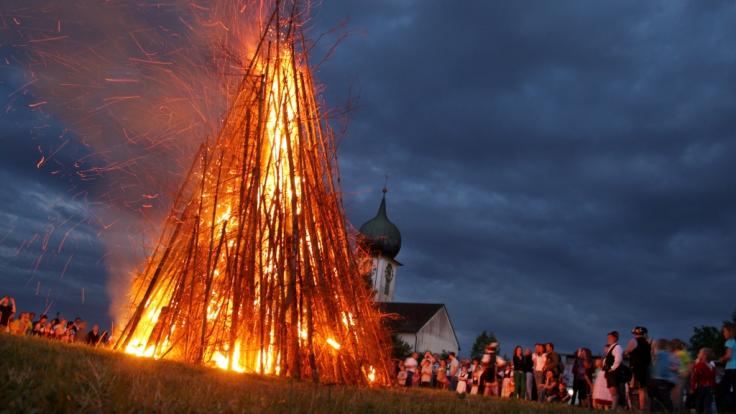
491 362
639 351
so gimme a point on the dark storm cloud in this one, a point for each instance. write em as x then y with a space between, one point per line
50 251
558 169
49 245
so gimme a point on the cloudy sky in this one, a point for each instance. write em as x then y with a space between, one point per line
557 169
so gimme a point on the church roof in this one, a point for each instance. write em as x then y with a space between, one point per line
381 235
409 317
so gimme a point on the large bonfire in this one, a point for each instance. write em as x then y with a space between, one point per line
254 270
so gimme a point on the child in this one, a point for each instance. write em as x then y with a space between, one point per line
477 377
462 380
426 373
442 380
601 396
702 382
401 376
507 384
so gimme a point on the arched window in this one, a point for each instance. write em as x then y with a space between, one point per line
389 277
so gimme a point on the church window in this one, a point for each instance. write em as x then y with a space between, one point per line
389 277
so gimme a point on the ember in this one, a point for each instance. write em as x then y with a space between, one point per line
254 271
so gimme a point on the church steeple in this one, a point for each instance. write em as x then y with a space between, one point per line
381 235
382 239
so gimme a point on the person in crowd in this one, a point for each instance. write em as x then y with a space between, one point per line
21 325
29 323
59 329
528 374
454 370
79 329
56 320
682 356
551 386
601 396
663 376
519 374
490 379
639 352
477 379
728 382
400 377
49 329
474 363
462 380
494 362
539 359
435 369
442 381
93 338
411 364
582 383
68 332
553 362
7 310
703 381
564 396
426 372
39 328
507 383
417 378
611 364
14 325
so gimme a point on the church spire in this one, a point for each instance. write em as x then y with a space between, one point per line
382 236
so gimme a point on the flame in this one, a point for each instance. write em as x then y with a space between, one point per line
333 343
371 374
254 271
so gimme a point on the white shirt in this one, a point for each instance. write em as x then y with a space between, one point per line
411 364
539 361
618 355
454 365
631 346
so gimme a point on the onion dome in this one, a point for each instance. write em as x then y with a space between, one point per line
381 235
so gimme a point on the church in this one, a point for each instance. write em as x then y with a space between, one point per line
424 326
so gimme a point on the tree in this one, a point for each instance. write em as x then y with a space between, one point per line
401 350
707 337
481 341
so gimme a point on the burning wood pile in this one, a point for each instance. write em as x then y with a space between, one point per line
254 270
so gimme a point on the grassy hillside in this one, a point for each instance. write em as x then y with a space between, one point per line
41 376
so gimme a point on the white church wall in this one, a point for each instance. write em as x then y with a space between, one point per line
437 335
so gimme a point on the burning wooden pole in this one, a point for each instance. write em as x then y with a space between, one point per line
254 271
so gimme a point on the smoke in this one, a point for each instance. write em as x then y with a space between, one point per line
139 86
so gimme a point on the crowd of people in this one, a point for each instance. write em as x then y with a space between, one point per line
651 375
58 328
644 375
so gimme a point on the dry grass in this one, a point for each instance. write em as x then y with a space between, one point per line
43 377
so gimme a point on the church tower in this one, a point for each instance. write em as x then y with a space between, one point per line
383 241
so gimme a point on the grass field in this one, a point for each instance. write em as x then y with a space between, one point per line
46 377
